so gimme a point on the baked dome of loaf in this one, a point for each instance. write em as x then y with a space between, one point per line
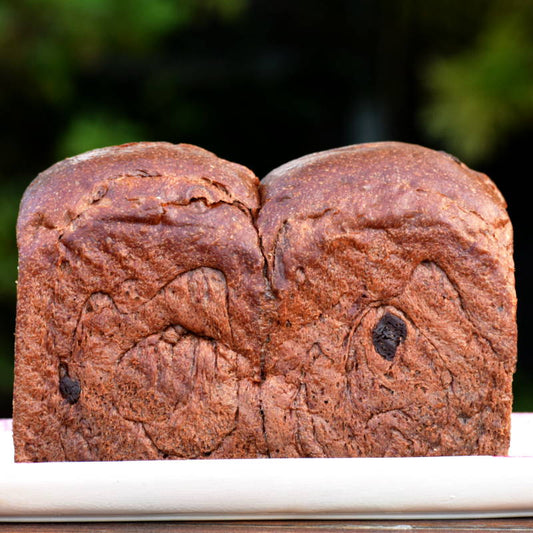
357 302
396 332
139 298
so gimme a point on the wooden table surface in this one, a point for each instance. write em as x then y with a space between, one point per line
295 526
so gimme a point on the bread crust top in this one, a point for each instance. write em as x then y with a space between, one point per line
59 194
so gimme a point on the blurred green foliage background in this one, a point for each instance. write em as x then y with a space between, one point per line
261 82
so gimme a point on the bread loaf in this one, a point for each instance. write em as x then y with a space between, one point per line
358 302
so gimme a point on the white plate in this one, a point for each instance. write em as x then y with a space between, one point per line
435 487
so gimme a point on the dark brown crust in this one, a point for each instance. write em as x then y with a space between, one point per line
198 324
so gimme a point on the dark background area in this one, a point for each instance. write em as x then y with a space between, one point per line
261 82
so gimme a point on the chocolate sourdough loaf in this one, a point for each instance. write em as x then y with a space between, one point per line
358 302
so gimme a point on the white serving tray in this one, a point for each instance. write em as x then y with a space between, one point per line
399 488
